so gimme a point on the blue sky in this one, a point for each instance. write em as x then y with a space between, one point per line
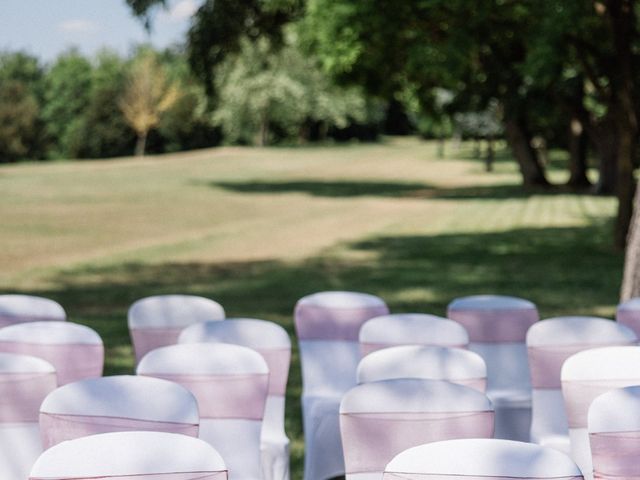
47 27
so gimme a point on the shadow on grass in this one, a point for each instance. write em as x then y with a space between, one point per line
563 270
319 188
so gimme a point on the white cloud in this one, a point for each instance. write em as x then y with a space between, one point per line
180 11
78 25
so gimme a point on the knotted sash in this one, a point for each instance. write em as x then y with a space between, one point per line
371 440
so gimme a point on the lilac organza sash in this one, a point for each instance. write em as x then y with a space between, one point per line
7 319
629 317
21 395
495 325
578 396
371 440
321 323
437 476
56 428
226 396
146 339
278 360
72 361
615 454
546 362
149 476
368 347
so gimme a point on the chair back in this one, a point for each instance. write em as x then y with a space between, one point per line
430 362
487 459
410 329
18 308
117 404
378 420
157 321
131 456
76 351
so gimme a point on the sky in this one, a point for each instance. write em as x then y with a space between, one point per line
46 28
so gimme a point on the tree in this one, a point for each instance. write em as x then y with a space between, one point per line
148 94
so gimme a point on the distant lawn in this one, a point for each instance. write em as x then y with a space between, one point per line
256 229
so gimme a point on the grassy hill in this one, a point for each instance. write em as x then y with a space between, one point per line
256 229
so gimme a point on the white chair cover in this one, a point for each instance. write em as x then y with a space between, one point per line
117 404
17 308
158 320
231 384
272 342
24 382
549 344
586 375
628 313
75 350
411 329
327 326
614 433
497 326
431 362
481 459
131 456
381 419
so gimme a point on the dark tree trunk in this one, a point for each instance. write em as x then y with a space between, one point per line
605 139
490 157
631 278
577 154
141 144
520 143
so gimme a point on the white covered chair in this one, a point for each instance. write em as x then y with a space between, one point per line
586 375
272 342
18 308
117 404
549 344
497 326
24 382
486 459
614 433
76 351
231 384
131 456
381 419
411 329
157 321
327 326
628 313
431 362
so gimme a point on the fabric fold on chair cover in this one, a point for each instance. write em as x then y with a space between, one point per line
151 476
615 454
56 428
392 433
545 362
579 394
73 361
22 393
226 396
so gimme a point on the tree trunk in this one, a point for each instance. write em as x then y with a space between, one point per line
605 139
626 183
141 144
520 143
577 154
631 276
490 157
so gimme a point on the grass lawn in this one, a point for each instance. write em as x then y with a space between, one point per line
256 229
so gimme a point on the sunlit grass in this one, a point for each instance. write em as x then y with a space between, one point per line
258 228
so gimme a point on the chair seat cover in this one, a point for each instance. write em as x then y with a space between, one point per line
470 459
327 325
17 308
130 456
378 420
272 342
430 362
157 321
115 404
76 351
410 329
